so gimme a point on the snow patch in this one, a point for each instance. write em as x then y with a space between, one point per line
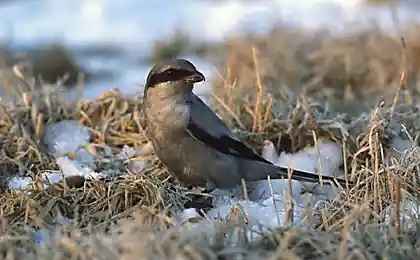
67 141
409 213
67 136
327 163
17 183
272 209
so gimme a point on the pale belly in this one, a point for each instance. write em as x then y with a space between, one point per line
189 160
198 165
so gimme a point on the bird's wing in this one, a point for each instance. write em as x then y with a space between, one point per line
205 127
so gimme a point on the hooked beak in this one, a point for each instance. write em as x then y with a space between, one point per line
195 77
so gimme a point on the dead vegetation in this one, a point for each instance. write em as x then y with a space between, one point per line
44 65
351 71
287 87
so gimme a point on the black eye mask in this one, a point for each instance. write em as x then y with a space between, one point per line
168 75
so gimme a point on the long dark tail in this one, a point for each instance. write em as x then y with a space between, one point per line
309 177
256 171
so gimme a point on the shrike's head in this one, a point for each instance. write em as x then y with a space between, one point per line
175 76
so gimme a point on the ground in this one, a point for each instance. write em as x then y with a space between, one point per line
291 96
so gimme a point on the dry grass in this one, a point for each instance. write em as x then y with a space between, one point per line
275 87
351 71
47 64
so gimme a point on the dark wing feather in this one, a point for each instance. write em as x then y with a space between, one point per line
223 143
207 128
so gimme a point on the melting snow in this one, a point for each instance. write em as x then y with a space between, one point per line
265 209
329 161
16 183
271 209
67 137
409 212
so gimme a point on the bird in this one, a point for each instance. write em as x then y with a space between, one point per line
192 142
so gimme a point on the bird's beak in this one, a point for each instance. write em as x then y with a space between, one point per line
195 77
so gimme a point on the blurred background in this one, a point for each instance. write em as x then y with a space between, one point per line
114 43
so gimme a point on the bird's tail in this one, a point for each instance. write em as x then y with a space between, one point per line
309 177
257 171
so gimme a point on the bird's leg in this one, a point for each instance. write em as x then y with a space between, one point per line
201 200
209 187
208 191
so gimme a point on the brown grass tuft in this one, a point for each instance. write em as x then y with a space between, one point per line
287 86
